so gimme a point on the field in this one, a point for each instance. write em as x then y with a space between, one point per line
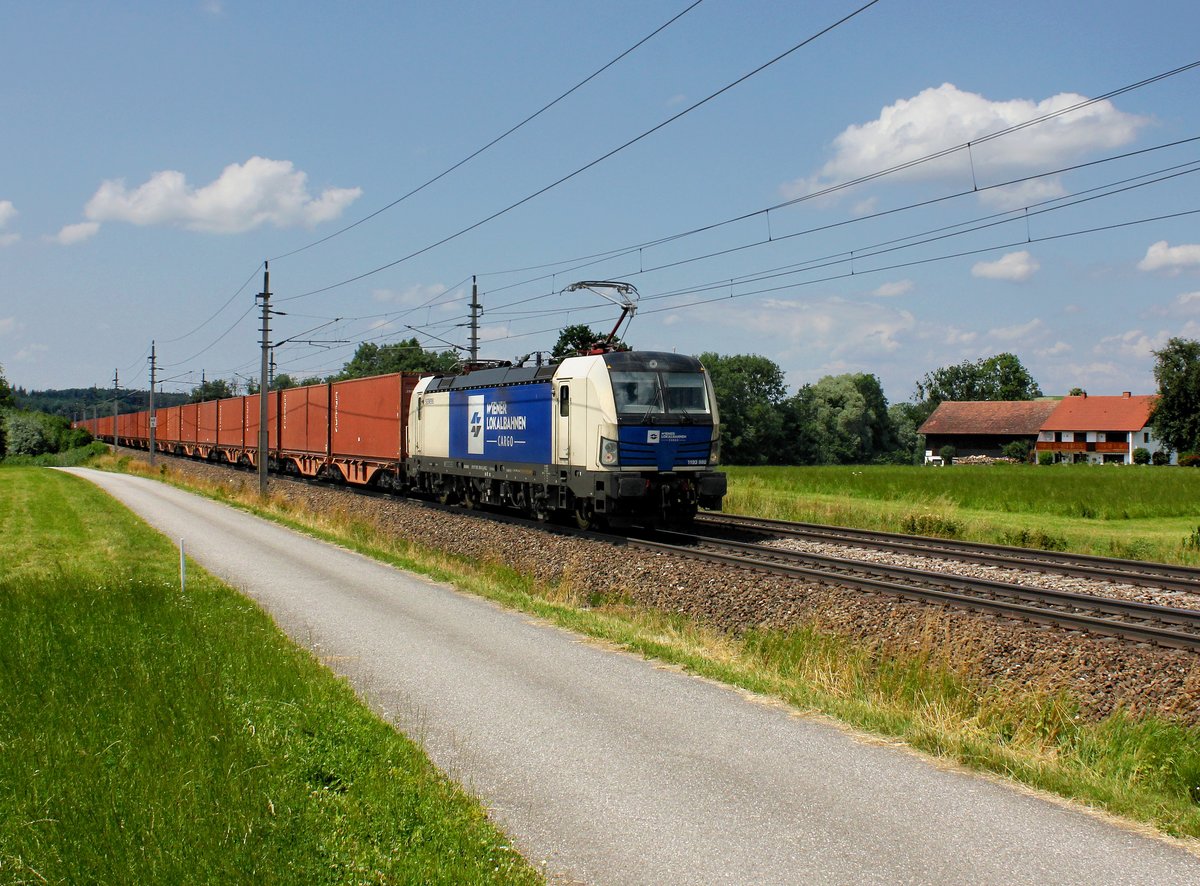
153 736
1149 513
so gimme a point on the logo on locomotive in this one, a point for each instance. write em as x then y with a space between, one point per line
475 409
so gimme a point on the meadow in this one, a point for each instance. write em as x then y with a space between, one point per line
152 735
1139 512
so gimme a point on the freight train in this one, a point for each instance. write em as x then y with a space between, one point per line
615 438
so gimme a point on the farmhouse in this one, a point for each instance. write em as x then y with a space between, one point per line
1081 429
1100 430
983 427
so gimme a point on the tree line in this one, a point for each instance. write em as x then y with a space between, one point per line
843 419
839 419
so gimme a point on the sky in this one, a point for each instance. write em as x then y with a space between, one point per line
885 192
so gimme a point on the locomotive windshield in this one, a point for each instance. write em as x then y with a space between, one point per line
649 392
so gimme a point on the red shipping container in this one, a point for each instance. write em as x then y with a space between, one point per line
189 414
142 425
252 407
206 423
304 422
168 425
231 423
368 416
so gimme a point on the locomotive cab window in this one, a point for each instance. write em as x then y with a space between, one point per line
643 393
564 400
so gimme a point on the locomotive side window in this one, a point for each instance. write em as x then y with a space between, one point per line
564 400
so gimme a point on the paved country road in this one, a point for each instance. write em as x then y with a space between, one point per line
608 769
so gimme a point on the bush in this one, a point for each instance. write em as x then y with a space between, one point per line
1190 460
947 454
1045 458
26 434
1018 450
1160 457
1141 456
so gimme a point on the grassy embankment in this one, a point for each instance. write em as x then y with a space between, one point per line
1145 513
1144 769
154 736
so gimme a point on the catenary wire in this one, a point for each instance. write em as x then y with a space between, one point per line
500 137
594 162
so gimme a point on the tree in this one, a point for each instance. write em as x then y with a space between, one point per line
211 389
1176 418
1000 377
25 434
579 338
401 356
7 400
851 420
750 391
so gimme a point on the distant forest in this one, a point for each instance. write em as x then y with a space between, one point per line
75 402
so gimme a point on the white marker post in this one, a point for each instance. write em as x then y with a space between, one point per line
182 569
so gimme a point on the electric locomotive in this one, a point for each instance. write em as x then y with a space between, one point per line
616 438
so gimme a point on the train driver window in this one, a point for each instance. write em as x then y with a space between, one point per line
564 400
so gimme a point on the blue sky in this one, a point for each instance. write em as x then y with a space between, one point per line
153 155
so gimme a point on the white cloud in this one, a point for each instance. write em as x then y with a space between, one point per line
1056 350
1023 193
7 213
945 117
1160 257
71 234
894 288
1015 333
842 328
7 325
415 295
29 352
954 336
1016 267
1134 343
243 197
1189 300
213 7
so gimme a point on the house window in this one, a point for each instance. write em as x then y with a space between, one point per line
1117 437
1146 437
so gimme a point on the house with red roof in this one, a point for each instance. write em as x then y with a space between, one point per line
983 427
1100 430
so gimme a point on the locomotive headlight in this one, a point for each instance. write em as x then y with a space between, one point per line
714 452
608 451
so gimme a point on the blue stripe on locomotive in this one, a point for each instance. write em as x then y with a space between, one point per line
664 448
510 424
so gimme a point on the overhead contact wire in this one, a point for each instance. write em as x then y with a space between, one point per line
498 138
594 162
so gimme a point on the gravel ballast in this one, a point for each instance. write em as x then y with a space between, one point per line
1103 673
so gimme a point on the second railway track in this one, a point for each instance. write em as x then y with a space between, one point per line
1133 572
1130 620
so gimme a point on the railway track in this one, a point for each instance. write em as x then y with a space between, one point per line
1129 620
1133 572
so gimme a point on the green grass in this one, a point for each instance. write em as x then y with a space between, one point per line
152 736
1150 513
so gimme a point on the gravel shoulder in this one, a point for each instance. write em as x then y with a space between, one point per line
607 769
